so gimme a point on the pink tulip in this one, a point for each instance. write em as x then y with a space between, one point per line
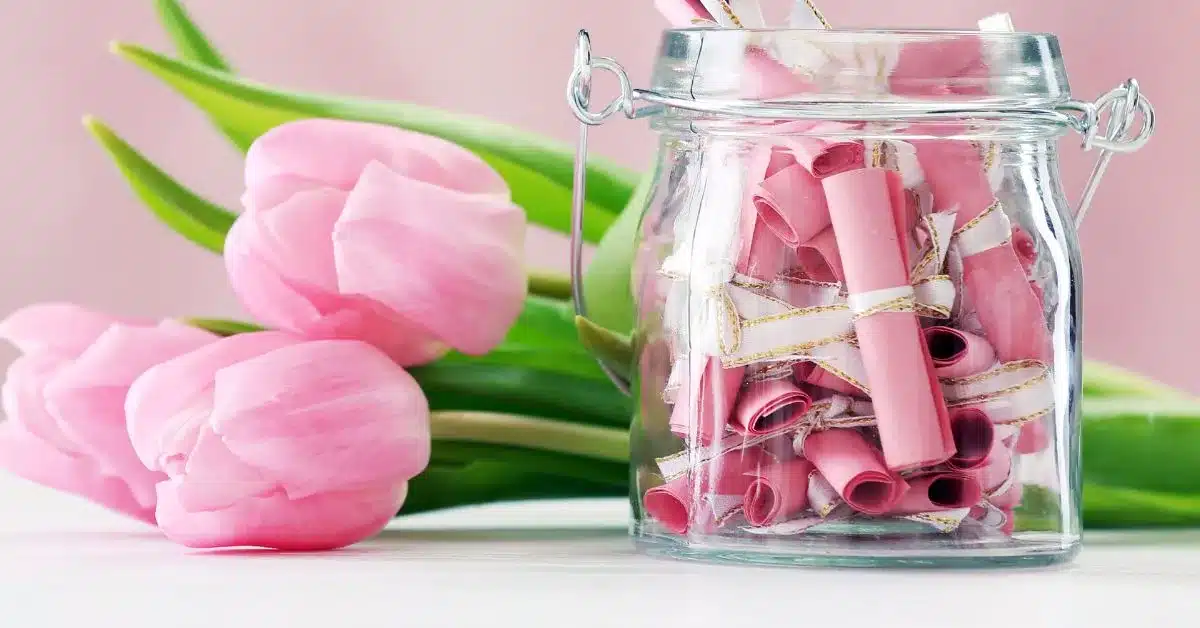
65 401
369 232
270 440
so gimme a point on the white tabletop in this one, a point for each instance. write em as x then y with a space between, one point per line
560 564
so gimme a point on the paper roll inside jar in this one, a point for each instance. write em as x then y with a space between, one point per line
913 423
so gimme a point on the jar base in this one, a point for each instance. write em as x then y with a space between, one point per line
1027 550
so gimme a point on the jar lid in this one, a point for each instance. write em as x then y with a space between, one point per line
897 70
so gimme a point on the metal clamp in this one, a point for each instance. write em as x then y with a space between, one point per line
1120 107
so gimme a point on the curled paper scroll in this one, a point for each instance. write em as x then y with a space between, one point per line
914 425
853 468
974 435
791 203
778 492
721 483
995 279
825 156
958 353
943 490
770 407
818 258
705 401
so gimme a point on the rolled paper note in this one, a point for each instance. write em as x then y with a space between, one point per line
914 425
955 173
953 65
825 156
997 471
769 407
674 504
705 401
974 435
1009 311
818 258
1034 437
813 373
778 492
761 252
940 490
791 204
958 353
853 468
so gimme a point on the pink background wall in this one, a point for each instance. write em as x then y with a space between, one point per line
72 230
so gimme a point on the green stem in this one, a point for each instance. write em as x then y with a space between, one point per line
554 448
549 284
486 481
600 443
524 391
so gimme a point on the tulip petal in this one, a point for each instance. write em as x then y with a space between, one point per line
335 152
260 288
324 415
449 262
214 478
171 401
24 401
294 237
27 456
320 522
60 328
87 396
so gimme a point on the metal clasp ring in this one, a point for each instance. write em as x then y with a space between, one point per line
1123 105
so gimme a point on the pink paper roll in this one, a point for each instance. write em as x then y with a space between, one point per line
778 492
678 503
706 400
792 205
818 259
942 490
955 174
974 436
996 471
825 156
1033 438
812 373
955 65
761 254
914 426
852 466
958 353
770 406
1008 309
996 282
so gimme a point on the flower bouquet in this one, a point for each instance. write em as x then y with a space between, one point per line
402 359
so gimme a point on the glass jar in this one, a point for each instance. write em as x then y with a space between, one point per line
858 296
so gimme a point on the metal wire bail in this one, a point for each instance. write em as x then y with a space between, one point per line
1122 106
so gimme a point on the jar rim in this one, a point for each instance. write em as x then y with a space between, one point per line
888 70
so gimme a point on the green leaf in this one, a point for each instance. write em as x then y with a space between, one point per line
606 284
488 481
543 338
538 171
1114 507
611 348
1143 444
181 209
1105 380
223 327
189 40
484 387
